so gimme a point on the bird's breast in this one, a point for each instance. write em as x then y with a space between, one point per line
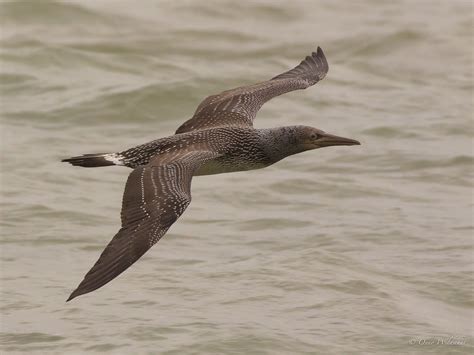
228 164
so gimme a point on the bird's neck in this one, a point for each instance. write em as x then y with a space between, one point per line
281 142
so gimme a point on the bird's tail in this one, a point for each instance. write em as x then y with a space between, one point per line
96 160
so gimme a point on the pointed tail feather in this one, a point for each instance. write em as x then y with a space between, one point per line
95 160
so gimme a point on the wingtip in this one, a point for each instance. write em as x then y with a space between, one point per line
322 57
74 294
71 297
320 53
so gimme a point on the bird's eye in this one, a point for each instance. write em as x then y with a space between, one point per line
314 136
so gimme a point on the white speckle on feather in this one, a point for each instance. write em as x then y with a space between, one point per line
114 158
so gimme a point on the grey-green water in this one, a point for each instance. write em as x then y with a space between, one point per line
342 250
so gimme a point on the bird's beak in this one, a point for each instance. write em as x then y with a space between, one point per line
329 140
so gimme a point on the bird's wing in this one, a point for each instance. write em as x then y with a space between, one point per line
155 196
238 107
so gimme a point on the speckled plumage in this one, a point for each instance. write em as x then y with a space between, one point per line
219 138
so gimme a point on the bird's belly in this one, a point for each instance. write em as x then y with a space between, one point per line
227 165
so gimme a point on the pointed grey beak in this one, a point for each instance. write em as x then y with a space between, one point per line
329 140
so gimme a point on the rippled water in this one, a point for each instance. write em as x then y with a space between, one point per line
342 250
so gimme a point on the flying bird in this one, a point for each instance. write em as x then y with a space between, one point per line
218 138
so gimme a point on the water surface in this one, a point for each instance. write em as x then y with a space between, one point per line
342 250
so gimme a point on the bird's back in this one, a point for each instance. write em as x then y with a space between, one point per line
240 148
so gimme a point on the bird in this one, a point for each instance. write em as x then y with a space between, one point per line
218 138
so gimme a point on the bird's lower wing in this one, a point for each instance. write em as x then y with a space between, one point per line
238 107
155 196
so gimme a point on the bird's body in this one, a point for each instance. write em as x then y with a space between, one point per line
219 138
239 148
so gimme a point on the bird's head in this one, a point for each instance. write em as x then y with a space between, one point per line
314 138
285 141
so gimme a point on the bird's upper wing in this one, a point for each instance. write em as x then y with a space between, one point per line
238 107
155 196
